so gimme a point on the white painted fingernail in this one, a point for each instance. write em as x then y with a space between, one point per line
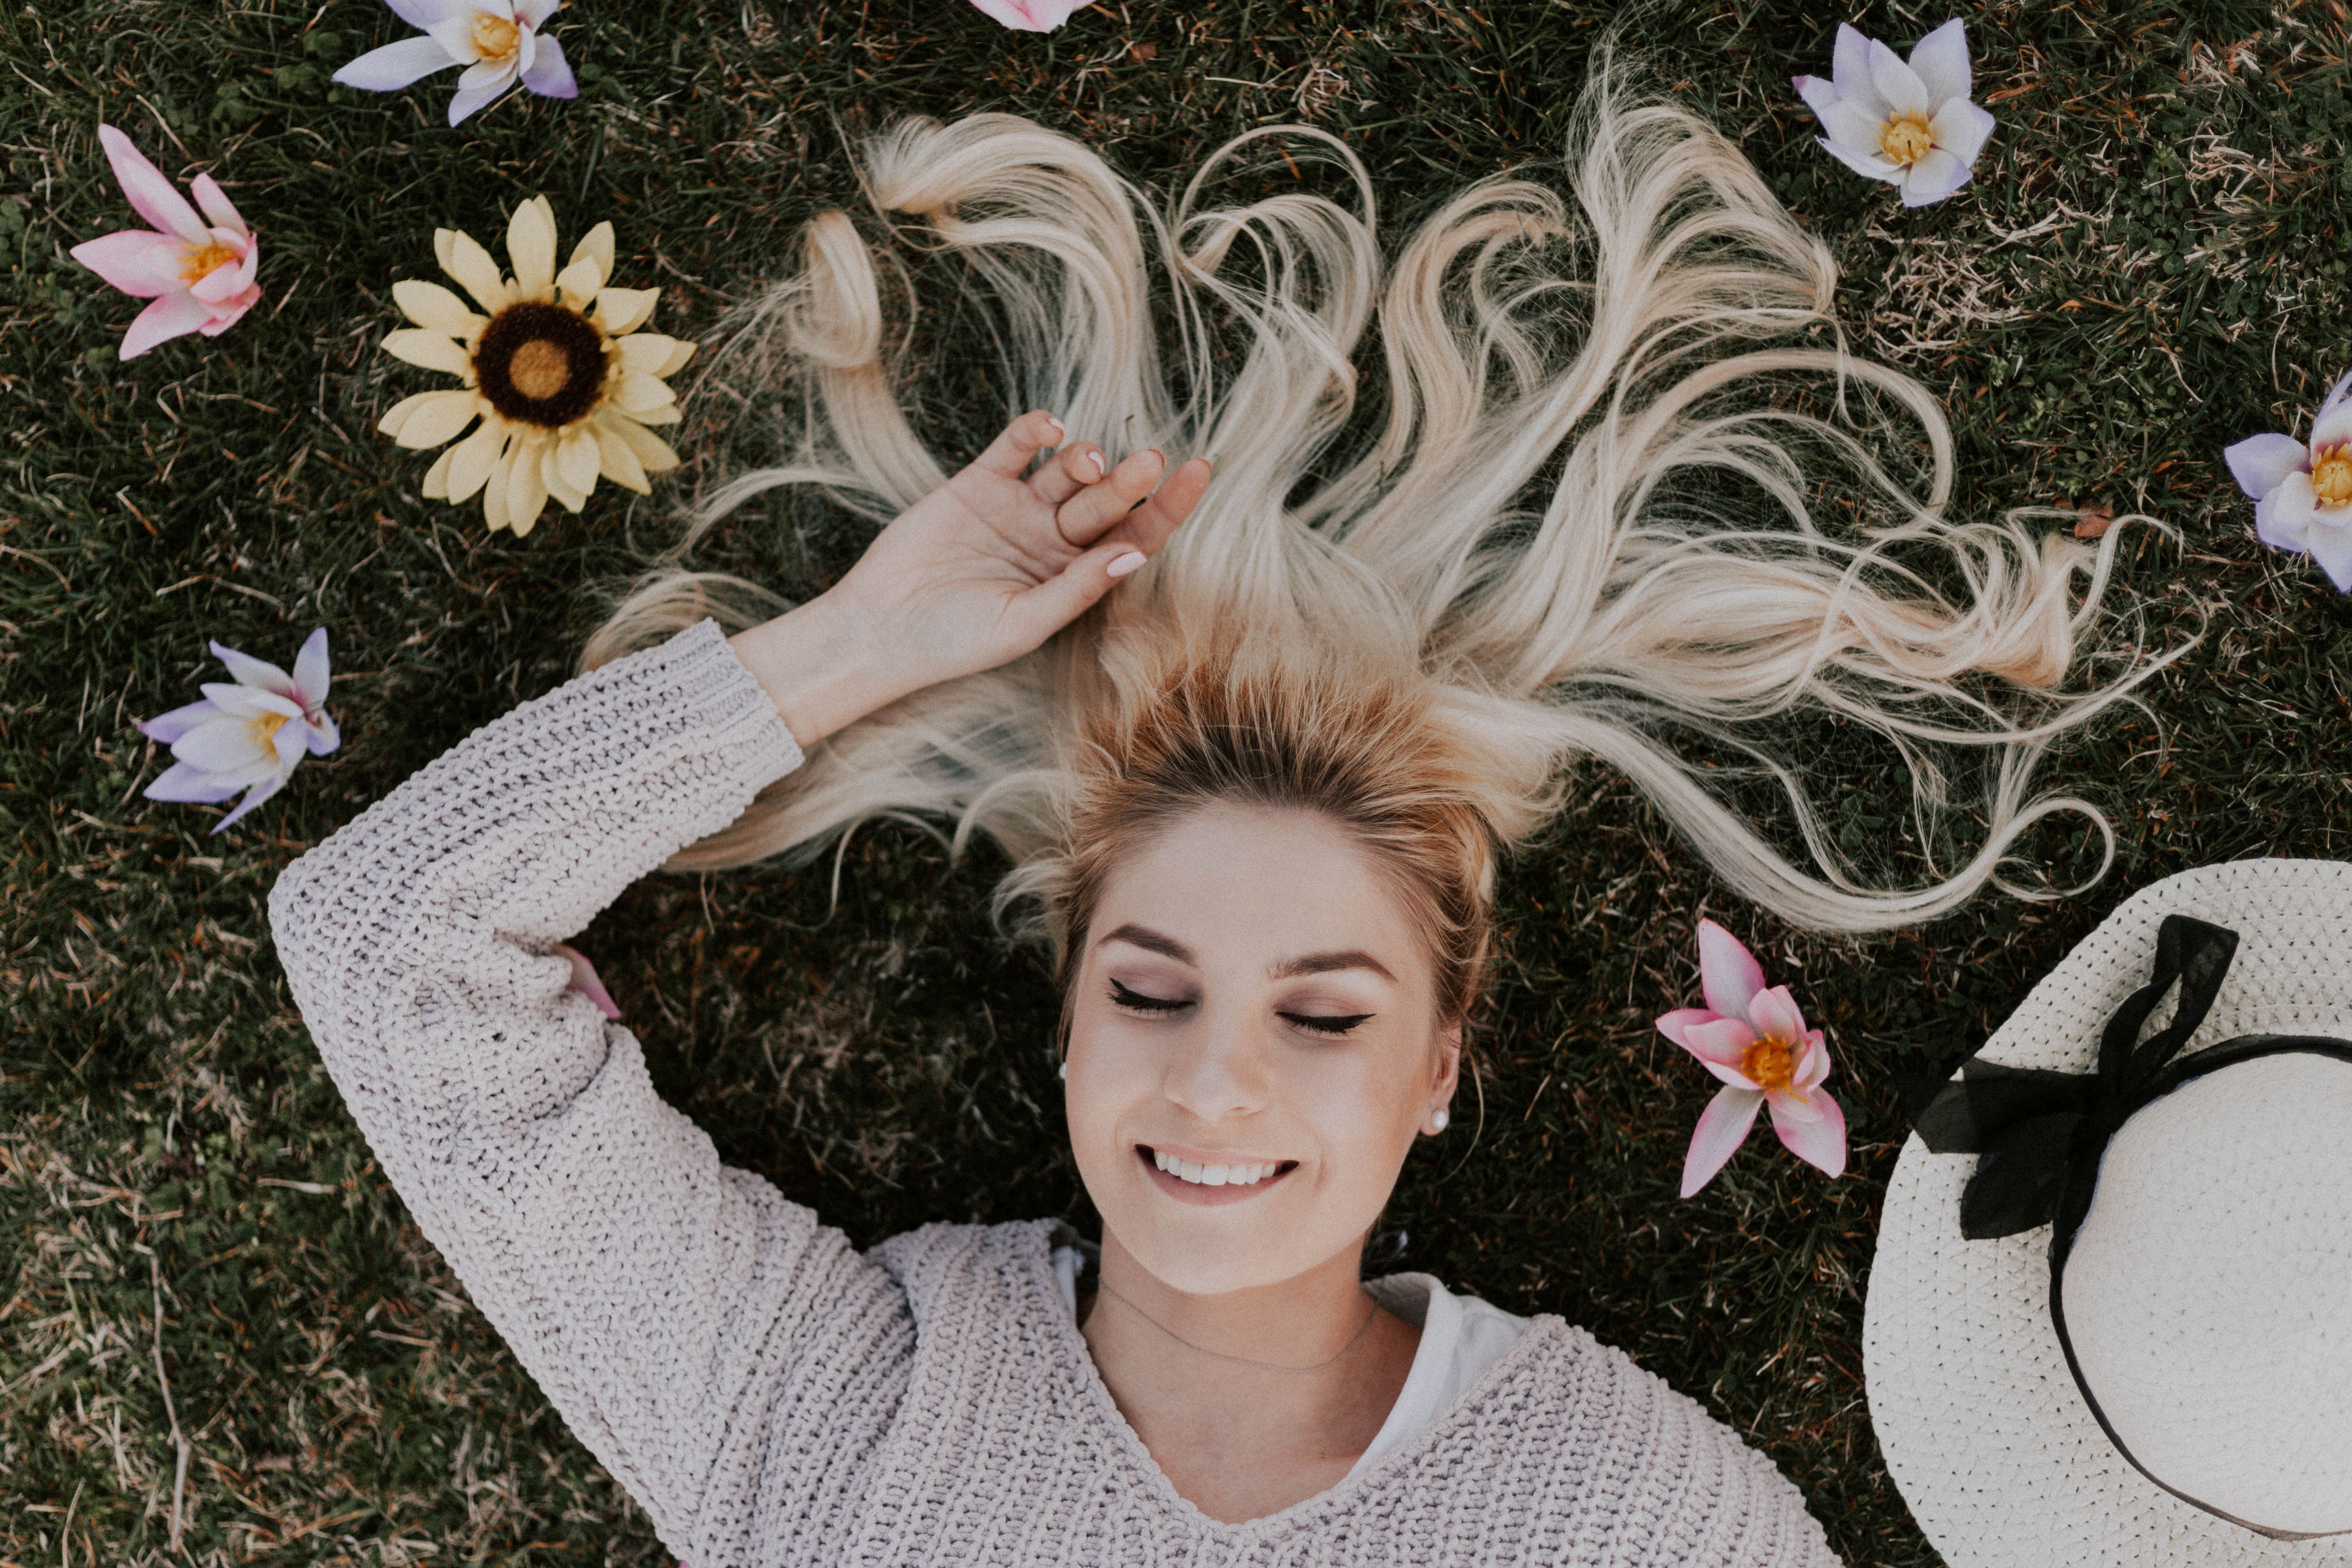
1096 458
1120 565
1058 431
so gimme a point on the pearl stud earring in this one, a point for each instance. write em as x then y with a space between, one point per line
1437 1120
1063 1072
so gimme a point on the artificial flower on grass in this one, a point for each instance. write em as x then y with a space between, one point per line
584 981
1031 15
1756 1041
497 41
198 269
1911 125
2302 491
562 377
247 734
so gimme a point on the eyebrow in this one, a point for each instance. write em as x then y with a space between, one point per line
1309 964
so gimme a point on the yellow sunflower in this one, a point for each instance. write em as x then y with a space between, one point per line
560 377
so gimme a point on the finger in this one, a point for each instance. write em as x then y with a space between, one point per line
1070 470
1009 453
1086 515
1043 610
1147 528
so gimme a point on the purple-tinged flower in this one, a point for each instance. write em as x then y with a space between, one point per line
1756 1041
1911 125
497 41
246 735
2302 492
1031 15
198 270
584 981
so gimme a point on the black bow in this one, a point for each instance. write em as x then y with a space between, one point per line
2040 1133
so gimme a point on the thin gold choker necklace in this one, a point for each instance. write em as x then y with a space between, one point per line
1262 1365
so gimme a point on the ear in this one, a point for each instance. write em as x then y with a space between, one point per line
1449 1061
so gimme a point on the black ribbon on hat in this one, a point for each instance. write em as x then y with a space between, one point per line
2038 1135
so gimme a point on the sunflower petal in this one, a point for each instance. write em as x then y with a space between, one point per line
676 361
526 489
576 461
647 351
494 492
439 417
620 311
617 461
398 415
639 395
649 449
431 306
428 350
579 282
463 257
436 477
472 461
531 246
597 246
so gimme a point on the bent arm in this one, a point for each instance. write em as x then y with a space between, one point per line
673 1309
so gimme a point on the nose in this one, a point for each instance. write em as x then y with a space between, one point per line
1220 1072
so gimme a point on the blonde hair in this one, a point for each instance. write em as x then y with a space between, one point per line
1581 526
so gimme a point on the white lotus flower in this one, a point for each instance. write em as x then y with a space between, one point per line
497 41
2302 491
1911 125
247 735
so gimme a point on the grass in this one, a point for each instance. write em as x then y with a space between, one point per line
2151 264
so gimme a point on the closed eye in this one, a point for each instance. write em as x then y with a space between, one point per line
1325 1023
1141 1002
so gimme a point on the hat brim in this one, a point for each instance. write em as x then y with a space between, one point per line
1983 1428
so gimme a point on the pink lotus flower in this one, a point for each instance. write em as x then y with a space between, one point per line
198 270
2302 491
248 735
1031 16
584 981
1756 1041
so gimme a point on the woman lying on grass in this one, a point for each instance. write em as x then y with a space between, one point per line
1254 794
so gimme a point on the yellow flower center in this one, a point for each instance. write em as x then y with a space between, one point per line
264 728
540 369
1770 1064
2331 474
1904 138
496 38
200 261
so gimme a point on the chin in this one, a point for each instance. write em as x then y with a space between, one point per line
1211 1244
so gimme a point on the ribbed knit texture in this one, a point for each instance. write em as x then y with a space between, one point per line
769 1394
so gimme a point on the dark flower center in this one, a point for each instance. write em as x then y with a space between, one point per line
541 364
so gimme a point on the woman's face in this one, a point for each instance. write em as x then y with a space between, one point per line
1253 999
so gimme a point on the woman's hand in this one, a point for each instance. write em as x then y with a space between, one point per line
977 573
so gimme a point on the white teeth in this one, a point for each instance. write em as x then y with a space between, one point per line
1212 1175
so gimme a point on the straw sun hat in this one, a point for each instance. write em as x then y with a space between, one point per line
2172 1108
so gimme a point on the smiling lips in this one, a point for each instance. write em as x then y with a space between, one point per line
1200 1182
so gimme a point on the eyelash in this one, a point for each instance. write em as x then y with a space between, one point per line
1324 1023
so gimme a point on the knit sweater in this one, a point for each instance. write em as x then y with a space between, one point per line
767 1393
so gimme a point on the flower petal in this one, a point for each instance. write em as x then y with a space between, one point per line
472 460
647 351
1861 162
551 474
491 77
618 463
531 247
620 311
218 210
227 745
1775 1016
189 784
1898 84
1787 1106
1672 1025
526 489
240 702
2259 462
1850 69
312 673
1722 1128
224 285
576 461
438 418
436 309
2330 545
1721 1040
585 982
324 734
428 350
1820 1143
1727 972
165 728
258 673
397 65
1819 92
261 792
2293 502
595 247
422 13
1933 178
638 394
1961 129
436 477
550 74
151 196
466 100
2332 428
579 281
649 449
1940 61
1850 127
463 258
2279 535
676 361
1812 1064
169 316
494 492
2336 394
138 261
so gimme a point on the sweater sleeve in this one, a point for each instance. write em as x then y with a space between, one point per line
698 1333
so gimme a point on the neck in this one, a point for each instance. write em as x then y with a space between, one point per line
1237 1439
